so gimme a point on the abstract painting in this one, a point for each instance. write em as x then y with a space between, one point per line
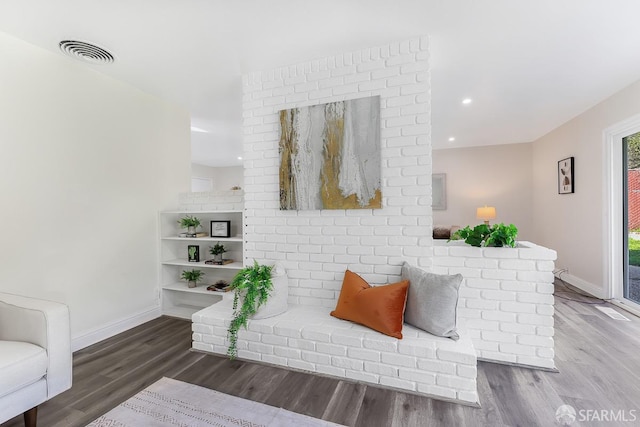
330 156
565 176
439 191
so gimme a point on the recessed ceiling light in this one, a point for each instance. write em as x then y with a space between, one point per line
451 139
197 129
239 158
467 101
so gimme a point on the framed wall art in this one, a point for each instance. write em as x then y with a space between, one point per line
193 252
565 176
220 228
330 156
439 191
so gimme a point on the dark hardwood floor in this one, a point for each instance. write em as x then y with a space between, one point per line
598 359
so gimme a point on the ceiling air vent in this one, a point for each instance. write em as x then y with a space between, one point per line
86 52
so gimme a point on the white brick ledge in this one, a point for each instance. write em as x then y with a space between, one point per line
212 200
308 338
506 299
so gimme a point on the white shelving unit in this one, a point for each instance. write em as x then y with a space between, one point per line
178 299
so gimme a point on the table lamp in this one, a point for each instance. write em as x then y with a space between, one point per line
486 213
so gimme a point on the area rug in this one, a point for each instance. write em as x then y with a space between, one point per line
169 402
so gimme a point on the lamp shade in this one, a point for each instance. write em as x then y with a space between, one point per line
486 213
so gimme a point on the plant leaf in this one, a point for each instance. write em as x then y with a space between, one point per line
252 286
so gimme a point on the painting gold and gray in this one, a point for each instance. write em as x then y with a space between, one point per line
330 156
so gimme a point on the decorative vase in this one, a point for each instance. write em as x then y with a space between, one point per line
191 229
191 284
217 258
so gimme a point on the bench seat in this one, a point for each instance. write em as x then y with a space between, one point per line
308 338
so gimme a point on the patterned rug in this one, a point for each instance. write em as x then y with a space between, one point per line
169 402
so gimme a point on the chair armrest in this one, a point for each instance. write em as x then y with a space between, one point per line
44 323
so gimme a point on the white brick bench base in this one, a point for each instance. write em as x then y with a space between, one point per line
308 338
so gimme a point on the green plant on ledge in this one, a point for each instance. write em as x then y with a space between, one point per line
253 285
189 221
192 277
483 235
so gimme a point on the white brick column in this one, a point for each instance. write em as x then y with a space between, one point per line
318 246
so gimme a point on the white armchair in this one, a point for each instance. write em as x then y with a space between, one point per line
35 354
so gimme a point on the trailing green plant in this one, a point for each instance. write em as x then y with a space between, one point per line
189 221
253 286
483 235
217 249
193 276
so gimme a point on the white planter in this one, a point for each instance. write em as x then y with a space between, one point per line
278 300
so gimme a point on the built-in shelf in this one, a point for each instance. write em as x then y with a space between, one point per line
185 263
178 299
205 239
200 289
182 213
183 311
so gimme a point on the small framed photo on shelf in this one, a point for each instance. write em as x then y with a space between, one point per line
220 228
565 176
193 252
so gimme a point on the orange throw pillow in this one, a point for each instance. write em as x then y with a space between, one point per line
379 307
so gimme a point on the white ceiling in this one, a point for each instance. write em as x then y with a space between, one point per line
528 65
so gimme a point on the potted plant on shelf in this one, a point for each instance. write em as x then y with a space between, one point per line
191 223
484 235
252 286
217 250
192 277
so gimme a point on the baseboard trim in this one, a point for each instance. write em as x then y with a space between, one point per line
583 285
82 341
518 365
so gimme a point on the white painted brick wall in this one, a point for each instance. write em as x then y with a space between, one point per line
212 201
506 298
308 338
507 303
318 246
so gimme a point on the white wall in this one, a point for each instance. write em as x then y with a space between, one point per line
573 224
317 246
86 162
223 178
496 175
202 171
201 178
228 177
